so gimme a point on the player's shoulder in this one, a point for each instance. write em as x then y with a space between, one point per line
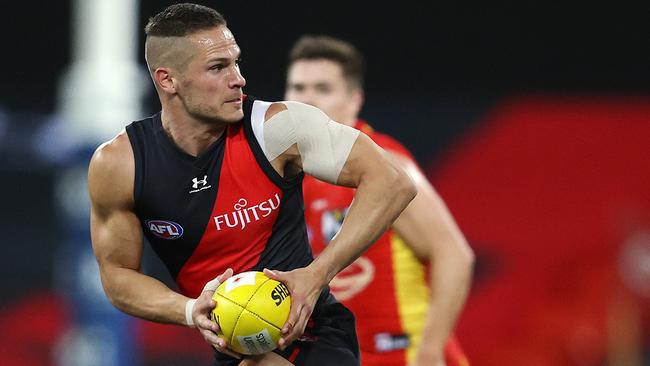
294 110
114 153
274 108
112 168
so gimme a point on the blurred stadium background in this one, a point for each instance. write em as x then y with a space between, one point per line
532 119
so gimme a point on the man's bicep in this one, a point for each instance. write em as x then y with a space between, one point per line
115 230
304 137
116 238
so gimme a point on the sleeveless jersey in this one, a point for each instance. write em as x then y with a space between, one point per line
386 288
225 208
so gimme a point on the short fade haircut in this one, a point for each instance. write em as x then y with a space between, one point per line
313 47
179 20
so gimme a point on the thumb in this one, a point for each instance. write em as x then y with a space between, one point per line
224 276
213 284
276 275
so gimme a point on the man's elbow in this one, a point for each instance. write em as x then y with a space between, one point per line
471 259
115 296
404 187
466 257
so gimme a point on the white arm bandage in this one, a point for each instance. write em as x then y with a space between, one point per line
324 145
189 308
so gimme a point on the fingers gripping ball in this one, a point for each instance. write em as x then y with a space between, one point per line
251 310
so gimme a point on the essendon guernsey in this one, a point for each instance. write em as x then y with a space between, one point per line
225 208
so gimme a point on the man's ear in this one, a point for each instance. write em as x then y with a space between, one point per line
164 80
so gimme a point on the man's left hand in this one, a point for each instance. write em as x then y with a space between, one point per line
305 287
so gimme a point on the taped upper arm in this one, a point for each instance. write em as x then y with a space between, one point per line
323 145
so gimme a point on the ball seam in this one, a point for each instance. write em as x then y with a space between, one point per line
242 308
245 308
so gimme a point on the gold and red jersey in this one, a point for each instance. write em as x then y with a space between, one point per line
386 287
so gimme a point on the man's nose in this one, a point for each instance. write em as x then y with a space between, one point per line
238 80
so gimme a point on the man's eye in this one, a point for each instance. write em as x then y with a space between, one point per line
216 67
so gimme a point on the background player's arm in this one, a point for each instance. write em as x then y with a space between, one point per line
117 238
430 231
383 191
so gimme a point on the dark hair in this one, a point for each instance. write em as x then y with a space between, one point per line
179 20
311 47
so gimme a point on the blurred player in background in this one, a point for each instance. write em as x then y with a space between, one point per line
401 318
214 183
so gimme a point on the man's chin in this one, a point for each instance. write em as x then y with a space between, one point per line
234 117
220 118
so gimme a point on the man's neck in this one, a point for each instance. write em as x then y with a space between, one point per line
190 135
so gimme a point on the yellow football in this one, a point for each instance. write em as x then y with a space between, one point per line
251 310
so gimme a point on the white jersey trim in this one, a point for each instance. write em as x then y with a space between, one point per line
257 121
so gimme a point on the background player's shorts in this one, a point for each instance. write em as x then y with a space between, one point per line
330 339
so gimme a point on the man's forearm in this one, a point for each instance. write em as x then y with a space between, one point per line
145 297
450 281
373 210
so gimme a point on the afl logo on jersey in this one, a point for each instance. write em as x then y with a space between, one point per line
164 229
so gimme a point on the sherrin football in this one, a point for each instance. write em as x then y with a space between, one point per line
251 310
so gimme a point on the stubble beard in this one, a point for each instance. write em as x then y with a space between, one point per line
218 117
212 115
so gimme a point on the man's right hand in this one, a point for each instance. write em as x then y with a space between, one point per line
201 310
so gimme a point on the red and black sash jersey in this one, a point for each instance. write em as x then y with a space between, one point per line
226 208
